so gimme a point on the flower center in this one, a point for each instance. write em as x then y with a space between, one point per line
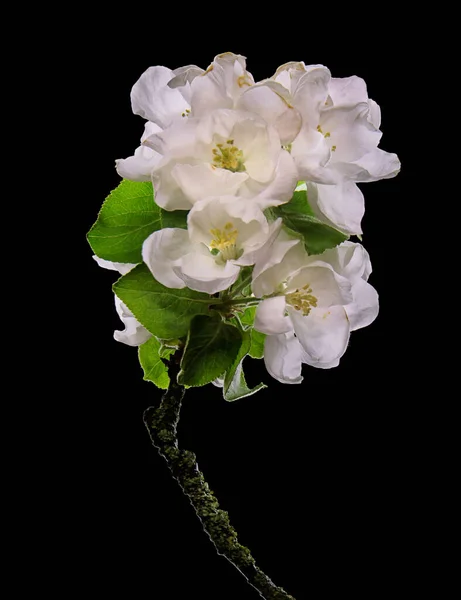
224 243
302 299
227 156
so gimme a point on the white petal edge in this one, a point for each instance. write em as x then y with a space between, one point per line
283 358
134 333
200 272
122 268
324 333
270 317
152 99
162 251
365 308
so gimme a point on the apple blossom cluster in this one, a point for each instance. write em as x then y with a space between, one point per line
235 212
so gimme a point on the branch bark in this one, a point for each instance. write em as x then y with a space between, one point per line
161 424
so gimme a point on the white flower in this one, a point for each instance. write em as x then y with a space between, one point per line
342 206
221 84
223 234
353 261
227 152
227 84
338 142
316 301
273 103
162 96
139 167
166 97
134 333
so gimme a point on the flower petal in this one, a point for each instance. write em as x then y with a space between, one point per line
280 189
183 77
164 249
350 260
343 204
365 307
374 114
200 181
273 103
134 333
270 316
373 166
349 132
178 141
324 333
251 256
278 260
282 357
347 91
288 74
139 167
220 85
168 193
201 273
152 99
311 93
311 153
260 144
122 268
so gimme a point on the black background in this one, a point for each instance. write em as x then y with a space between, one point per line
317 478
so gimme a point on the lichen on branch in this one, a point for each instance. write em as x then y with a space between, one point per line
161 423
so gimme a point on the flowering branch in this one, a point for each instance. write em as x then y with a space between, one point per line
231 232
162 424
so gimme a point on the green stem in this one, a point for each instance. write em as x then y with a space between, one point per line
247 301
161 424
240 286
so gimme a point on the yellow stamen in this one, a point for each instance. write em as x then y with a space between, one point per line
225 241
325 135
228 157
302 300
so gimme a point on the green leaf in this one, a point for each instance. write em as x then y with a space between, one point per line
300 203
211 348
243 282
235 385
247 317
257 344
256 349
165 312
154 368
173 218
238 387
299 218
127 217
